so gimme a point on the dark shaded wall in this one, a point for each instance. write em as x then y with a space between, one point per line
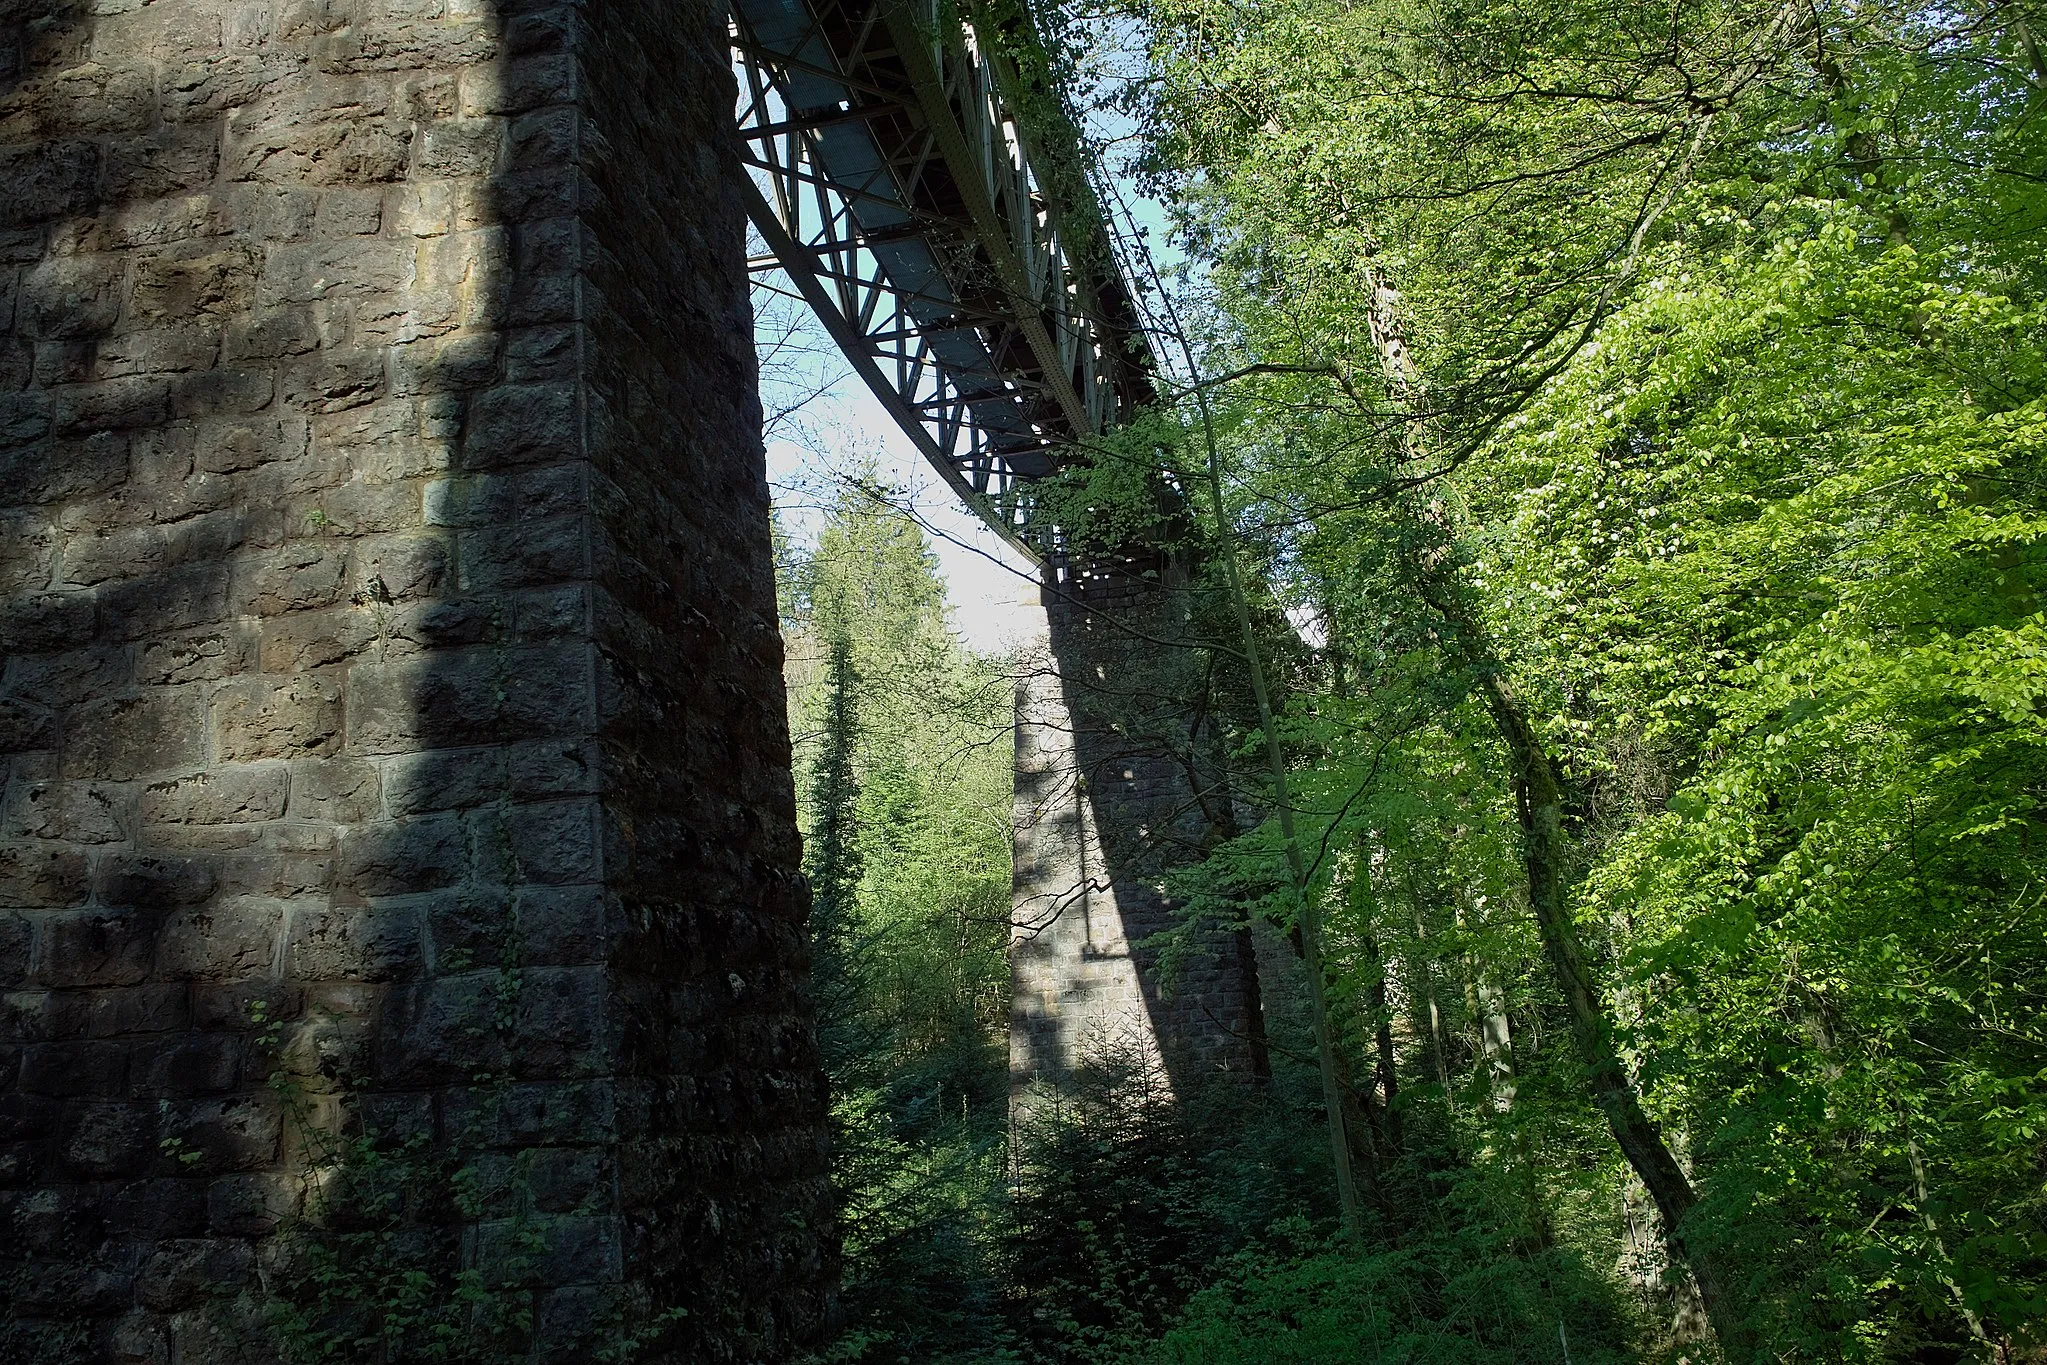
1119 781
391 713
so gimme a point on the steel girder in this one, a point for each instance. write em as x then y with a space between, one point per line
945 239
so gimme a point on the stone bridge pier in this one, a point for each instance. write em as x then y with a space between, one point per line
1119 781
393 772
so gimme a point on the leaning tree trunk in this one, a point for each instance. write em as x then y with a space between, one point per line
1546 854
1540 802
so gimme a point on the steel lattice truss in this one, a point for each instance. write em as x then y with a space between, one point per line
897 186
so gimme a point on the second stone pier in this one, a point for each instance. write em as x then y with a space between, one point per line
1118 783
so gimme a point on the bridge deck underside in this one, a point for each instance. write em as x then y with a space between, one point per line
896 185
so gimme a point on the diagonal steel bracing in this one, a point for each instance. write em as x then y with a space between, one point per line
932 210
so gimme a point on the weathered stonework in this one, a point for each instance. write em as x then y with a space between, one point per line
1117 783
391 695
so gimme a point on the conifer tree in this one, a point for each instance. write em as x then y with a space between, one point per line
832 858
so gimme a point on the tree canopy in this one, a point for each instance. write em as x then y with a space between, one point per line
1646 408
1650 401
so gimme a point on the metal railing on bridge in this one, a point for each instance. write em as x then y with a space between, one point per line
930 205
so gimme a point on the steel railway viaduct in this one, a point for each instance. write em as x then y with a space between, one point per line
922 187
392 755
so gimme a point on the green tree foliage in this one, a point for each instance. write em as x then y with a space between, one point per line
1078 1234
903 751
1649 405
832 855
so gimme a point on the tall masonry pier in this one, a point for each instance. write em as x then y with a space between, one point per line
1120 781
396 835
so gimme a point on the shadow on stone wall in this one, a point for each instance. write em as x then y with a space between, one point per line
1120 782
391 701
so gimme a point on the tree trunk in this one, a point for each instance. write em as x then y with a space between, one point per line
1386 1078
1547 849
1546 853
1308 917
1427 1012
1487 1003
